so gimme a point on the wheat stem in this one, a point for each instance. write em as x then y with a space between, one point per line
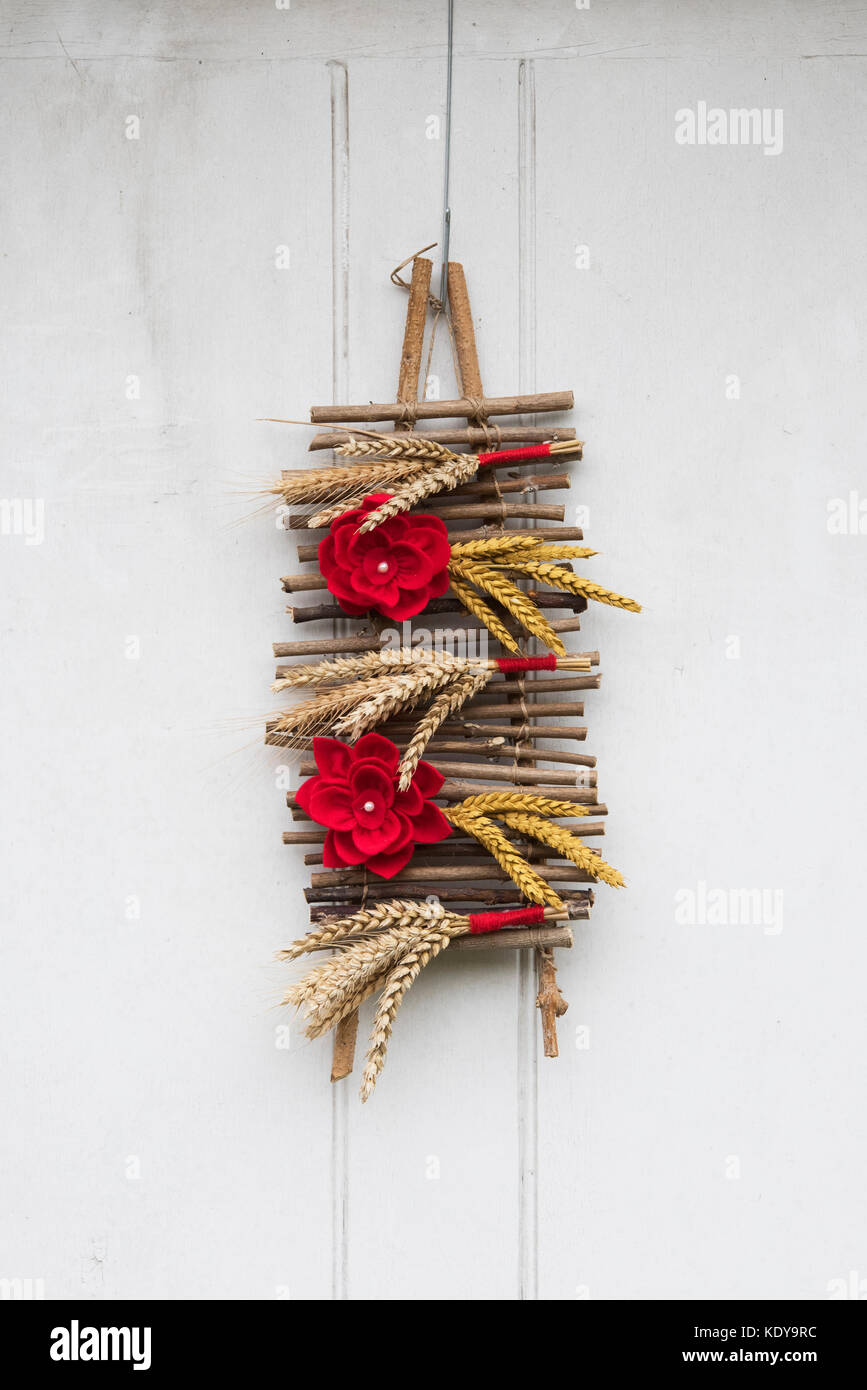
510 597
399 981
390 446
491 838
389 696
560 578
453 698
566 843
449 475
476 605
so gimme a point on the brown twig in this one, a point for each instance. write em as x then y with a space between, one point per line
333 646
310 550
477 439
413 337
319 612
437 873
549 999
461 511
536 403
324 902
487 773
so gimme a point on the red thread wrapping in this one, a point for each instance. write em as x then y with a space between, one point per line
533 451
495 921
508 664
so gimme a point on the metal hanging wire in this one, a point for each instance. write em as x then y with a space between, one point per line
447 158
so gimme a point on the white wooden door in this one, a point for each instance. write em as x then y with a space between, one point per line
202 205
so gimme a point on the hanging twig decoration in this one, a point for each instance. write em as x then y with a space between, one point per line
405 846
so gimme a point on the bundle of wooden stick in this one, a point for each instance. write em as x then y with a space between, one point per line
477 718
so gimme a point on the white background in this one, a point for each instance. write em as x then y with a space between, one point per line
710 1142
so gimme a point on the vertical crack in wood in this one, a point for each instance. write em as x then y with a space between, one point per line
527 1040
339 79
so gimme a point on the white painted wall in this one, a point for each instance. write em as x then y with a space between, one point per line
711 1141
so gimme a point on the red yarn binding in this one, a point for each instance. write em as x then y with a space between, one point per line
534 451
495 921
507 664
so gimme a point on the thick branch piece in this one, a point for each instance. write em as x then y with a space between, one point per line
461 511
533 404
473 436
462 326
549 1000
343 1056
327 900
413 336
320 612
334 646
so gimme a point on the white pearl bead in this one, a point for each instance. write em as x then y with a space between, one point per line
369 807
383 567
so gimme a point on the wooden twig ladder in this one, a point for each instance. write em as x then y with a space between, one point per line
493 740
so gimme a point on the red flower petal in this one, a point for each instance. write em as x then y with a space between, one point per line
435 523
326 555
360 592
381 749
333 758
430 825
352 518
433 542
410 801
370 567
409 602
357 546
438 585
302 796
439 549
330 803
382 837
414 567
386 596
427 779
368 777
369 820
330 858
387 865
405 837
394 528
375 500
343 845
340 538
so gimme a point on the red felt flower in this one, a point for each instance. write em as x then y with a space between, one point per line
369 821
396 568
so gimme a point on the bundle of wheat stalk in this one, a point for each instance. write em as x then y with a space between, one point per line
358 693
479 566
532 817
408 469
382 948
